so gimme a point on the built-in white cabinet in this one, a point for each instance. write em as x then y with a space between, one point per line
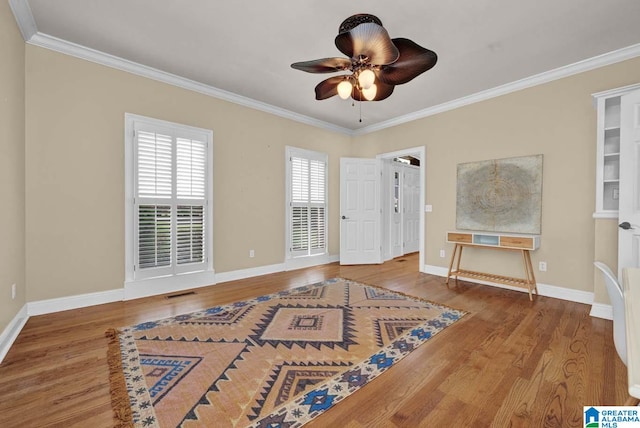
608 151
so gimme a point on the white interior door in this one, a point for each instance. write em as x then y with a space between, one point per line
411 209
360 224
629 207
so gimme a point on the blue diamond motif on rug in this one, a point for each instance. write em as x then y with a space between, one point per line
166 371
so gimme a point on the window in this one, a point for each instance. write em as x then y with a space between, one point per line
168 200
306 202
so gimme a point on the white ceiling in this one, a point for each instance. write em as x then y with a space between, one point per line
246 47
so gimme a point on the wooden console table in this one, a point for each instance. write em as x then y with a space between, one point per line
522 243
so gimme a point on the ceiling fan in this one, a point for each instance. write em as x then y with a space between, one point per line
377 63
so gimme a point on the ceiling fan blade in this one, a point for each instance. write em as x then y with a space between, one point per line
328 87
413 61
324 65
368 40
383 91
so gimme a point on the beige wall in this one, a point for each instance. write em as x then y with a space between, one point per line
75 172
557 120
12 257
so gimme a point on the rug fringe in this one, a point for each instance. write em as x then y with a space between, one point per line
119 395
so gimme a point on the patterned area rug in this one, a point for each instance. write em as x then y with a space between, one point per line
274 361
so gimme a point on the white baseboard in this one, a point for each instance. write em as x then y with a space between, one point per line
248 273
48 306
292 264
578 296
168 284
305 262
41 307
12 331
600 310
435 270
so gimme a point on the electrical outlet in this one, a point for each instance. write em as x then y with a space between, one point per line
252 253
442 253
13 291
542 266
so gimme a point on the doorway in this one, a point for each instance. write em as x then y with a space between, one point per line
402 199
365 236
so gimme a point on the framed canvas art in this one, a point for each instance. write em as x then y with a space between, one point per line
500 195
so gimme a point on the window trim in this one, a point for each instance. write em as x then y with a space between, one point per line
289 254
141 287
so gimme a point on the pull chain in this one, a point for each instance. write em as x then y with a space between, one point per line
353 104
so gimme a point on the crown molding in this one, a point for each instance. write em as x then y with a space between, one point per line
609 58
28 28
616 92
53 43
24 18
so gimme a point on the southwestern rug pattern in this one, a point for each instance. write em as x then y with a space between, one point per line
274 361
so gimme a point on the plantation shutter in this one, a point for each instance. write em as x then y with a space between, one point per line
190 242
299 199
190 171
191 165
154 236
169 203
317 202
153 201
307 205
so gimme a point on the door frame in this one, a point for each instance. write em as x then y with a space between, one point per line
389 216
410 170
420 153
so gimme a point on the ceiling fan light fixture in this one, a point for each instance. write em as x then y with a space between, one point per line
344 89
366 78
377 62
370 93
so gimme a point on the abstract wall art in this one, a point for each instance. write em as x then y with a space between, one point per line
500 195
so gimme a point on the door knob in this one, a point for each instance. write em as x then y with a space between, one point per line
344 217
625 225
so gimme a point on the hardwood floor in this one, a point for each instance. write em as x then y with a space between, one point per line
510 362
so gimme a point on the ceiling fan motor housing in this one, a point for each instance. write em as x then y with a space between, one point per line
353 21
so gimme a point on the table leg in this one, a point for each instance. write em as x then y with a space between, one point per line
461 247
453 257
533 277
528 268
